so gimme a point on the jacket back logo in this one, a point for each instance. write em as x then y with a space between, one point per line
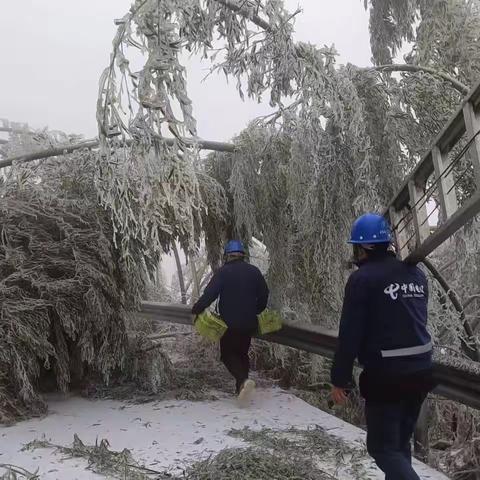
407 290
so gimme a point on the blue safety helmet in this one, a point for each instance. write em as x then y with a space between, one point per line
234 246
370 228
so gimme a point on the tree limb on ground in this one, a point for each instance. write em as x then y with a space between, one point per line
159 344
161 336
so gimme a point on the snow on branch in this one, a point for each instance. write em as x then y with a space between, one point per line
94 143
463 89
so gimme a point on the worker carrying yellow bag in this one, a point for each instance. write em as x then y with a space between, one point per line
242 294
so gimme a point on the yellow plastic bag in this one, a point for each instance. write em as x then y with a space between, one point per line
269 321
210 326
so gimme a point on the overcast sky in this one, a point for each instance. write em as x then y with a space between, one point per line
52 53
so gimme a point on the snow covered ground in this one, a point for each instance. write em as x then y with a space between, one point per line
169 434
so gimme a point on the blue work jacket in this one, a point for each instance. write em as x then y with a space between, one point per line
384 321
242 293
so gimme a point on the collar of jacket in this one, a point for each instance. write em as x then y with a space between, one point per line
240 259
376 257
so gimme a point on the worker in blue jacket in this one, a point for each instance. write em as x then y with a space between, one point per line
384 326
243 294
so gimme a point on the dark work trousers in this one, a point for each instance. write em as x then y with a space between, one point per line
390 427
234 346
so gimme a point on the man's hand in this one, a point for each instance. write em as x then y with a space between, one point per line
339 395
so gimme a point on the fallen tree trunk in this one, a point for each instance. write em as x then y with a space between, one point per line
456 380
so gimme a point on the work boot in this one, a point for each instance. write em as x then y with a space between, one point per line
246 392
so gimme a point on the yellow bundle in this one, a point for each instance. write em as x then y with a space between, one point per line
210 326
269 321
